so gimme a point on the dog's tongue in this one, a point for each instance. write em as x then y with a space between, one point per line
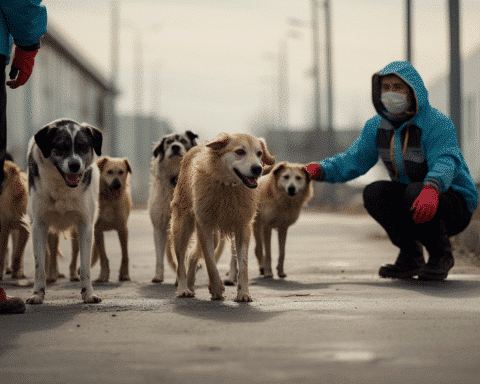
73 178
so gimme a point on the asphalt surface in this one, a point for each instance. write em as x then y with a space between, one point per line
332 320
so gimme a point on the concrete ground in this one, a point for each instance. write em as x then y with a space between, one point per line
332 320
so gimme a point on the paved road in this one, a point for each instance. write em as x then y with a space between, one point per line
332 320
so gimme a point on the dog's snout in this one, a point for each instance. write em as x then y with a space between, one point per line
116 184
74 166
175 148
291 191
256 170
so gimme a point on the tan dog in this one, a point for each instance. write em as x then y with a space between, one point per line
283 193
13 208
115 202
164 169
216 191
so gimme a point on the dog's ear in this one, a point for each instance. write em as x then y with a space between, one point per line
278 167
97 137
219 142
159 150
307 175
267 158
101 162
44 137
129 167
192 136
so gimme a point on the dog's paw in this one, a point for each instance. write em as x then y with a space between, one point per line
217 296
243 297
51 279
185 293
91 299
74 278
35 299
18 275
157 279
124 278
229 282
268 275
282 274
101 279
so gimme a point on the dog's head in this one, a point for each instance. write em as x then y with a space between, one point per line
291 178
114 174
243 155
71 147
174 145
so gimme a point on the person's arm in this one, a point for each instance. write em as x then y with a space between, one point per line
355 161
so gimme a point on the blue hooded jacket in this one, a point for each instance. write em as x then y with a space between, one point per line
23 22
427 151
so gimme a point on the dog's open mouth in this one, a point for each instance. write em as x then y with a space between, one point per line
249 181
73 179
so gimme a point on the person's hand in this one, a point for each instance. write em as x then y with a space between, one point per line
425 205
315 171
22 66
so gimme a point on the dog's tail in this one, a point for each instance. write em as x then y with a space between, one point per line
95 256
169 252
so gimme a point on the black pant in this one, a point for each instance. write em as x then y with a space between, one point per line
389 204
3 114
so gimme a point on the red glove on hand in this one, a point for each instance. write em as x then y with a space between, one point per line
425 205
313 169
23 62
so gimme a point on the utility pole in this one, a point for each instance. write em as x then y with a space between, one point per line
114 59
455 68
316 66
409 30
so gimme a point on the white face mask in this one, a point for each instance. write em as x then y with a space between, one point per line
395 102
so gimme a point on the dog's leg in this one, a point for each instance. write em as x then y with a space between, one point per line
52 257
39 239
75 249
267 259
99 247
207 242
19 244
85 236
182 229
160 238
192 266
242 238
232 274
257 232
123 238
4 233
282 240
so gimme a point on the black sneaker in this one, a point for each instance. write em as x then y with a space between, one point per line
407 265
437 269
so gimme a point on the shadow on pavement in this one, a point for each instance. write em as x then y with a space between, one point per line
447 289
286 285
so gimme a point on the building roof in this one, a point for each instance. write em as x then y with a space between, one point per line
66 48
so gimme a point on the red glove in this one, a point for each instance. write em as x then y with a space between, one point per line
23 62
314 170
425 205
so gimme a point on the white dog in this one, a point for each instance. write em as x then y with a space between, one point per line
63 187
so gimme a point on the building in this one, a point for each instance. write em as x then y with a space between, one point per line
64 83
438 94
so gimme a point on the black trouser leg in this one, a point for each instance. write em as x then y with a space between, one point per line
3 117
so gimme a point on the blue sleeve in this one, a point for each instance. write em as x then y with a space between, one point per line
357 159
443 153
26 20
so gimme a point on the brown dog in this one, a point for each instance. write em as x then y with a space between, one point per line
13 207
216 191
115 206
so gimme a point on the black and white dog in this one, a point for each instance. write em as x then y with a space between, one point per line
164 169
63 183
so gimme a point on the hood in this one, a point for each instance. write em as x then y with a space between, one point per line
410 76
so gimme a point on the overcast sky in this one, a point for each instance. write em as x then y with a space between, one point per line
215 60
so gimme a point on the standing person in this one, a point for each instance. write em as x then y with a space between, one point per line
22 22
431 195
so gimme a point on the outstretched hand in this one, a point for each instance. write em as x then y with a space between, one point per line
315 171
21 68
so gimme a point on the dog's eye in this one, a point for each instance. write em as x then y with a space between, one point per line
298 178
240 152
259 153
183 141
286 177
120 173
110 172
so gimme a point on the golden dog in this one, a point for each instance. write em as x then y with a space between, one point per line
216 191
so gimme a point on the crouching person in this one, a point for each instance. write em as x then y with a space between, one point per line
431 195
